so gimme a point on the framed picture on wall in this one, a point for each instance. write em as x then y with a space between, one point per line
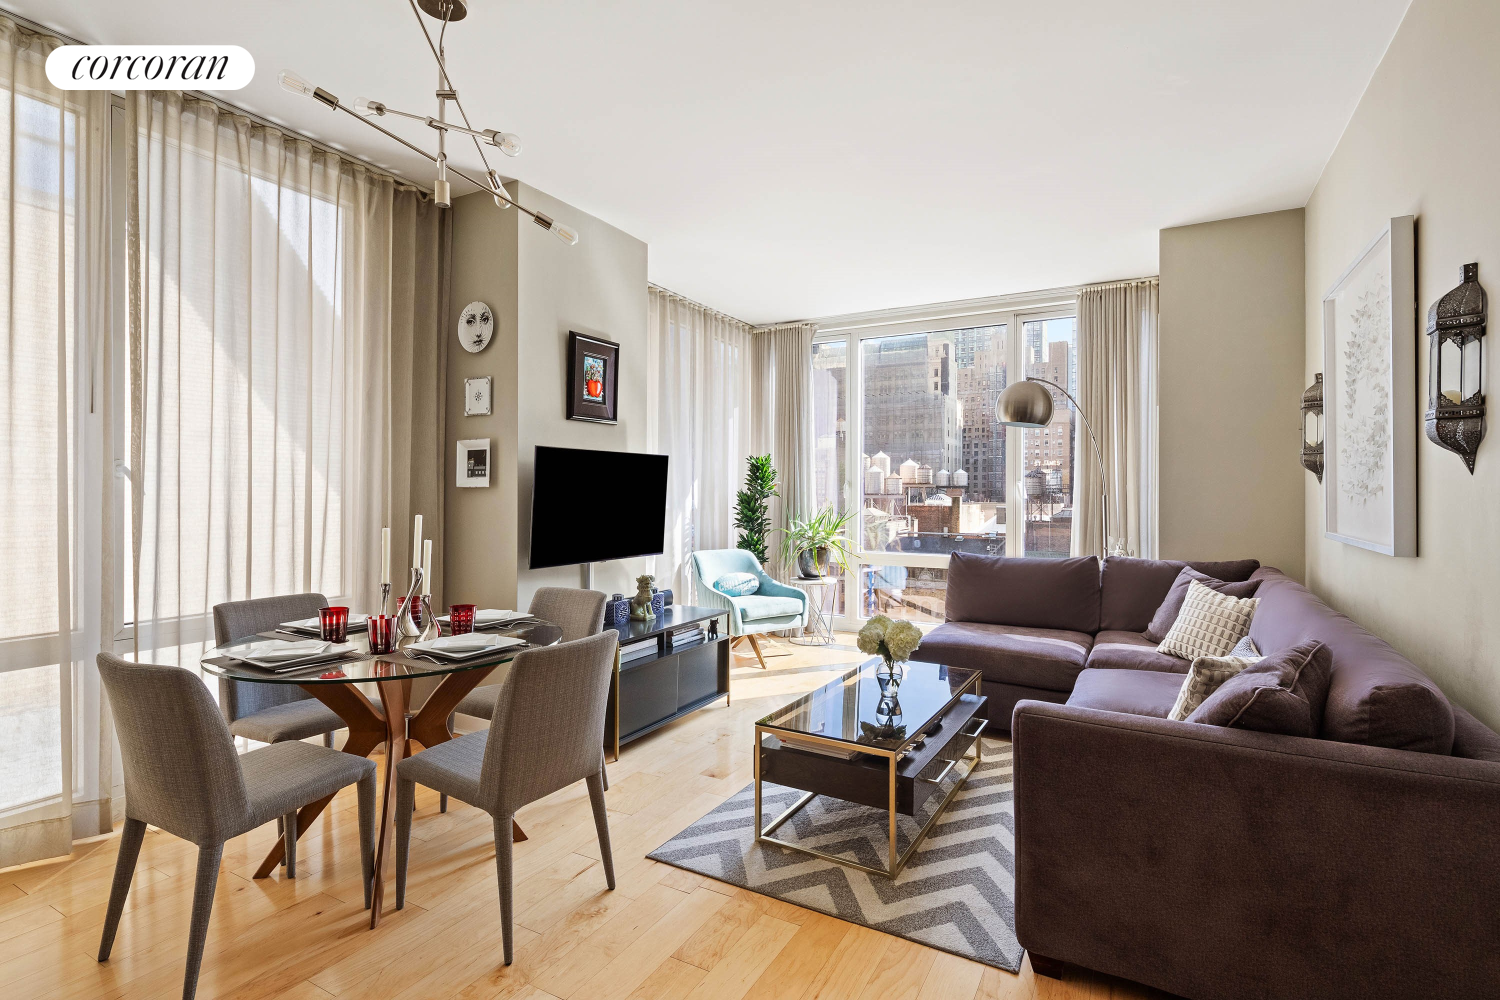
474 462
593 378
1369 397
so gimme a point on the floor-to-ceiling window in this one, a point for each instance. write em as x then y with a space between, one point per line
908 438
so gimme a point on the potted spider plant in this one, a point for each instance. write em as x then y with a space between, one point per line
820 542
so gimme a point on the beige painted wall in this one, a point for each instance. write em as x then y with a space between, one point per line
597 287
539 290
1424 141
479 535
1230 483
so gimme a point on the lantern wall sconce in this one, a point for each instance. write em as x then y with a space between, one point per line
1312 427
1455 368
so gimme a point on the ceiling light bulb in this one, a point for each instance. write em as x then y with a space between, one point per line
565 234
507 142
365 106
501 196
292 83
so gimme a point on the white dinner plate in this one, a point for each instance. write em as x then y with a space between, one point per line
491 616
277 654
446 649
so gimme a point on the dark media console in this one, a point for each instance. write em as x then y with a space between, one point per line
681 675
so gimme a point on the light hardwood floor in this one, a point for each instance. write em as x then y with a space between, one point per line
663 933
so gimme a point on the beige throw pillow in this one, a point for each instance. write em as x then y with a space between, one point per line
1204 678
1210 624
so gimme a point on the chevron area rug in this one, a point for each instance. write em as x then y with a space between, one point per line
956 892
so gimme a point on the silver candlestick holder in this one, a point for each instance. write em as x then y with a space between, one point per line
406 624
430 629
385 598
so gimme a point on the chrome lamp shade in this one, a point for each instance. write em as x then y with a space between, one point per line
1024 404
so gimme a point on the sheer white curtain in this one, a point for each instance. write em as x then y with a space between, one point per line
1116 341
286 365
54 307
784 419
704 393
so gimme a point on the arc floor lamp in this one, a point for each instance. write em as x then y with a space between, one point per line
1027 404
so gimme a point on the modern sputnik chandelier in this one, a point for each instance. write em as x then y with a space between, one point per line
365 110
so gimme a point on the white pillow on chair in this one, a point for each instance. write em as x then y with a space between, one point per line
737 584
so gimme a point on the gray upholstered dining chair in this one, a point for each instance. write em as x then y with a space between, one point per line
182 775
578 613
547 733
270 713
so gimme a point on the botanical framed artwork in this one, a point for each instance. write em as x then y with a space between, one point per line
593 378
474 462
477 396
1370 397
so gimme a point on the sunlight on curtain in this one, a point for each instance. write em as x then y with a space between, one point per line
270 297
53 146
703 424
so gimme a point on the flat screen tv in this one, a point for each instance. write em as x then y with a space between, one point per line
590 506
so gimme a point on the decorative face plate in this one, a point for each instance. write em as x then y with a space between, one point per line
476 325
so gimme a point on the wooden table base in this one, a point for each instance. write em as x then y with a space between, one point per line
386 725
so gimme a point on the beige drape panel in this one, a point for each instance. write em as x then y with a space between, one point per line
705 392
286 363
784 419
1116 333
55 763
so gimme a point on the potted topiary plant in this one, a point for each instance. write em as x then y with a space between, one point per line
752 506
819 542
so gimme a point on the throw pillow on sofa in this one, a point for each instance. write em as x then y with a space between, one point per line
1283 693
1171 606
1210 624
737 584
1204 677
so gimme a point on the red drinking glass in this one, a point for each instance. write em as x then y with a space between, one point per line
382 632
334 624
416 610
461 618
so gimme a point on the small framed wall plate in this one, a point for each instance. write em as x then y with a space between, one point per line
477 396
593 378
476 325
474 462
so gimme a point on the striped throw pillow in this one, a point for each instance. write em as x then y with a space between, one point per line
1210 624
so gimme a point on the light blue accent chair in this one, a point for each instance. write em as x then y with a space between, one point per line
772 608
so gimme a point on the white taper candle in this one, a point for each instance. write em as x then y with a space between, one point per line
385 555
416 543
427 567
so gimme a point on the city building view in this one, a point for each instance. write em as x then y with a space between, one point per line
932 461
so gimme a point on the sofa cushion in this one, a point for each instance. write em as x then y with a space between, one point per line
1171 605
1032 593
1132 589
759 606
1376 696
1132 651
1210 623
1134 692
1204 677
1033 657
1282 693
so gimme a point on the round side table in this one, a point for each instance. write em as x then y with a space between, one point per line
819 626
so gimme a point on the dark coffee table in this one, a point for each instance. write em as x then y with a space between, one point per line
845 741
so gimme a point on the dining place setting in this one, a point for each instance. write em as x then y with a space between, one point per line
340 668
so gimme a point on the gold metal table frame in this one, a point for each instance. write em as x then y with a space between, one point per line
893 758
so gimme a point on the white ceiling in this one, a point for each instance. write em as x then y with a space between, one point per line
794 159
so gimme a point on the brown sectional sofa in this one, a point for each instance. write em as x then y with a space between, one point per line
1032 626
1223 864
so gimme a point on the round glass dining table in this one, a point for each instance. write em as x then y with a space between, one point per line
346 685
